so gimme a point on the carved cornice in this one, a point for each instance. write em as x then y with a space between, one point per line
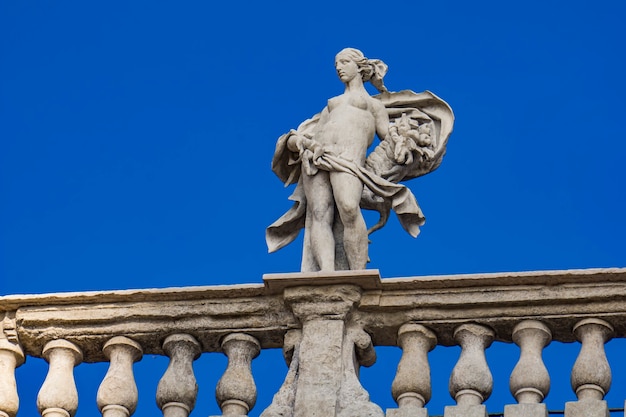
332 302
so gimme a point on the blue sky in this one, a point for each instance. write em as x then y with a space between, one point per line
136 140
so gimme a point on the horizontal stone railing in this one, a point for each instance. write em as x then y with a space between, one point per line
327 326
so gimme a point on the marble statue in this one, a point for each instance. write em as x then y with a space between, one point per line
327 158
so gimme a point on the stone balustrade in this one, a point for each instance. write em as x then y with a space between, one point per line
328 326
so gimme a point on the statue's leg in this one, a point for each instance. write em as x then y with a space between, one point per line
347 190
319 221
341 260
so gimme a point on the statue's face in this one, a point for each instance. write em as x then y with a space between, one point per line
346 68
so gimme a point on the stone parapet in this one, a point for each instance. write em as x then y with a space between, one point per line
355 311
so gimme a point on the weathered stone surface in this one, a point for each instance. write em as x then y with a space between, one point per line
148 316
591 374
530 381
465 410
366 279
58 396
11 356
587 408
118 394
322 311
411 386
325 302
471 382
525 410
320 370
499 300
236 391
353 399
407 412
177 389
356 314
283 403
325 356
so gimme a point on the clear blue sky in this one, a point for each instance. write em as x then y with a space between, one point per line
136 139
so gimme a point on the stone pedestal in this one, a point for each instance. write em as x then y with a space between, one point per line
407 412
322 311
587 408
525 410
465 410
320 368
326 382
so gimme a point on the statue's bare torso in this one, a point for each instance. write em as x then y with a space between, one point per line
348 126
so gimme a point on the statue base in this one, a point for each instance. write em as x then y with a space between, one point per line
367 279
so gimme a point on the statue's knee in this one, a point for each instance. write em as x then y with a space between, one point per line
350 215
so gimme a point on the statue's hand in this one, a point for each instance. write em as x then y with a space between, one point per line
295 141
311 156
315 147
300 143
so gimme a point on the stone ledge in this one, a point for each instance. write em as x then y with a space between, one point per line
548 278
367 279
15 301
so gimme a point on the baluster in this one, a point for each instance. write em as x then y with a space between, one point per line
411 387
530 381
58 396
11 356
471 381
117 395
177 390
236 391
591 374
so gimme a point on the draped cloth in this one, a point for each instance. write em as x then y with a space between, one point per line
284 230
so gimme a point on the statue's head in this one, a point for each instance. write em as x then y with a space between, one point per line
363 64
372 70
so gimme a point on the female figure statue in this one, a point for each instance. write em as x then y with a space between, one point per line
327 156
346 129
